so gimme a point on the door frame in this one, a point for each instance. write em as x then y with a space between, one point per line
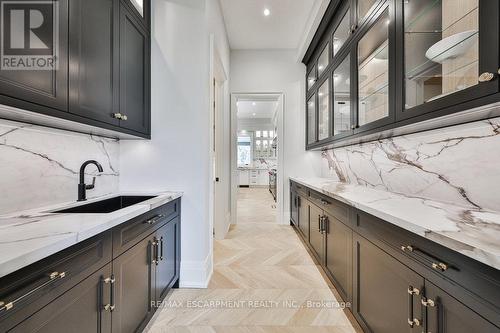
280 189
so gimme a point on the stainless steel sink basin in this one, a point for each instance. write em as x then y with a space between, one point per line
106 206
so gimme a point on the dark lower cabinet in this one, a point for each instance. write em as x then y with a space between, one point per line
316 236
447 315
381 297
134 73
79 310
134 275
304 217
339 255
167 270
94 59
390 289
294 211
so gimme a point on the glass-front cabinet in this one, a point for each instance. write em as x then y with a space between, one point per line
373 72
380 64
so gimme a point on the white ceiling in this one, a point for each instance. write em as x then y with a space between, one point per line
248 28
261 109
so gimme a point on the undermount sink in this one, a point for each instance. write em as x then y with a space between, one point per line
106 206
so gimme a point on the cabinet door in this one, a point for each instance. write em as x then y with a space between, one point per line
43 86
316 236
447 48
134 275
382 303
304 217
294 212
447 315
94 59
339 255
167 269
311 127
375 55
81 309
134 73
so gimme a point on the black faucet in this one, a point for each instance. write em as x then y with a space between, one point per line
82 187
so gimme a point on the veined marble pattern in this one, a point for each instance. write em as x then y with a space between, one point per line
33 235
472 232
264 281
39 166
457 165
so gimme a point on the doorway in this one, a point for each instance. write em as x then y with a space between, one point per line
256 154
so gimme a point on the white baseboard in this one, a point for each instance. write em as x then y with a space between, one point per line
196 274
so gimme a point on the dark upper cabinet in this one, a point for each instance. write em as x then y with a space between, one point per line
444 314
141 9
134 275
45 87
79 310
94 60
167 270
449 52
406 61
339 255
134 73
382 302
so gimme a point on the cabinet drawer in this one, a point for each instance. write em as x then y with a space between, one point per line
132 232
437 263
302 190
337 209
31 288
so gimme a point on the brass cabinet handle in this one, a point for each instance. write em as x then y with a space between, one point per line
155 219
154 251
428 303
124 117
161 248
54 276
117 116
486 76
411 320
111 305
439 266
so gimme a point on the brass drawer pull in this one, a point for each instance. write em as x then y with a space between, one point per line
54 276
486 77
155 219
441 267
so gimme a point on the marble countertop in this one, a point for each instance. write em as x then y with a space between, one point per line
473 233
29 236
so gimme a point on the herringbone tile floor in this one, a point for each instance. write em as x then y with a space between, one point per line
264 281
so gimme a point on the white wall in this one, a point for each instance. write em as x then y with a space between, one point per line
277 71
178 156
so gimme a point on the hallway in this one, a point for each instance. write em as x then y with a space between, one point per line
262 282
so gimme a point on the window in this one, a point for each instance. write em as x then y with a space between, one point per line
244 150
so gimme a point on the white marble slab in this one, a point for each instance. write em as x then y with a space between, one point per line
472 232
40 166
30 236
458 165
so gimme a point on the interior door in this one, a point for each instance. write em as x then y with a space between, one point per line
339 255
382 303
134 276
316 237
447 315
167 268
43 86
79 310
94 59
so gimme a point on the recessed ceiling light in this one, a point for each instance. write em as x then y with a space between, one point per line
267 12
254 104
254 114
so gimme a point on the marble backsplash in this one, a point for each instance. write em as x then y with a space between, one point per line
40 166
458 165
